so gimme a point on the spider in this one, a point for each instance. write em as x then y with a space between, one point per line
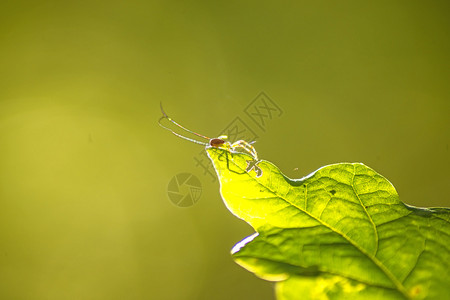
219 142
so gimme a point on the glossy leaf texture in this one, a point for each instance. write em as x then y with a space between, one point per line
339 233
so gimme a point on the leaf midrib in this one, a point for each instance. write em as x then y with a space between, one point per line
365 210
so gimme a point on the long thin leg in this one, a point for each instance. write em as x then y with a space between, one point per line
181 136
246 146
165 116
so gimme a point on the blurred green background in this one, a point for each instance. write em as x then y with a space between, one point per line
84 168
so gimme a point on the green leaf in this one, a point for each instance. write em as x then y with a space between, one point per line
339 233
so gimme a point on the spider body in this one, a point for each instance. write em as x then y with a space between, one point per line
216 142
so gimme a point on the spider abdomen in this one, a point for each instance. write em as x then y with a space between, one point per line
216 142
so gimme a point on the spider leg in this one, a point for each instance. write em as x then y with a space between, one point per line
229 156
251 164
246 146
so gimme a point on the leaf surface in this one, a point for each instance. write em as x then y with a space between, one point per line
338 233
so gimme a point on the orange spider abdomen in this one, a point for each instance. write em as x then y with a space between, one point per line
216 142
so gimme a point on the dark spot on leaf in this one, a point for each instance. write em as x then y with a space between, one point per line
416 290
333 192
